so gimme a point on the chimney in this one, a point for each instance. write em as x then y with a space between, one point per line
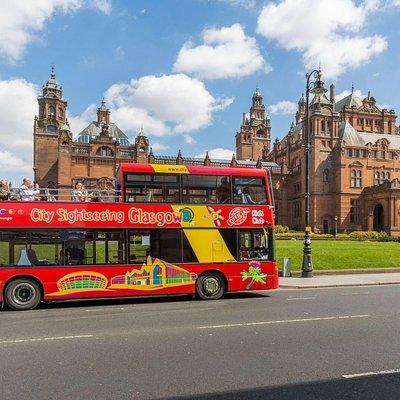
332 93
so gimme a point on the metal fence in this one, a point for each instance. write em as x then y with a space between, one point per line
69 195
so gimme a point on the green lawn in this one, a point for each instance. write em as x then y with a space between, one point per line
330 254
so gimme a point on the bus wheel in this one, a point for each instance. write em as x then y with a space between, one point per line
23 294
210 286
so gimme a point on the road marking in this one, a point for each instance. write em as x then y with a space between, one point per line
385 372
45 339
285 321
301 298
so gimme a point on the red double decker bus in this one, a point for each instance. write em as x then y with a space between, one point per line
175 229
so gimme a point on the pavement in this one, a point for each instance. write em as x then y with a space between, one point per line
307 344
340 280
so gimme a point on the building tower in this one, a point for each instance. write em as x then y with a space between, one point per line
141 147
254 138
103 114
52 110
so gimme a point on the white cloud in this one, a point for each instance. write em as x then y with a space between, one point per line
189 139
284 107
22 20
157 146
18 105
80 122
325 31
163 105
226 53
218 153
103 5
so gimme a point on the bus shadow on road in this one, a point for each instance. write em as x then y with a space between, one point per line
385 387
147 300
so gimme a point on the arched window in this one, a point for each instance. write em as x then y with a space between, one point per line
325 175
60 112
52 111
104 151
355 178
388 175
377 178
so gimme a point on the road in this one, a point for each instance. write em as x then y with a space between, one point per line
340 343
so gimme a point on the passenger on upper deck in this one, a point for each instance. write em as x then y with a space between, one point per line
4 190
26 190
246 196
223 191
79 193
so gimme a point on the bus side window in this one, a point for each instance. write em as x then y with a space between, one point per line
248 190
93 247
152 188
139 246
253 245
167 245
30 248
204 189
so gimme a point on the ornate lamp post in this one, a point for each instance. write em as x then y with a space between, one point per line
335 218
316 86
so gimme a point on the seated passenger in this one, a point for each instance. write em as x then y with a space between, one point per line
26 190
148 196
223 191
33 258
4 190
79 193
74 255
246 197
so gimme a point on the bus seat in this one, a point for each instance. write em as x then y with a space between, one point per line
23 258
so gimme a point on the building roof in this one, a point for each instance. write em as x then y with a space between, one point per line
322 100
360 139
93 130
351 100
52 81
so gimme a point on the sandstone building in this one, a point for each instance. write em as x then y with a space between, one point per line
355 166
60 160
254 138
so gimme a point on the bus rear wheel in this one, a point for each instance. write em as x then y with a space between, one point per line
23 294
210 286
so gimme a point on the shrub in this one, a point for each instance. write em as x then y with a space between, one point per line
383 237
281 229
364 235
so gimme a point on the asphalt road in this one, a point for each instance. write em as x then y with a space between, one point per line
340 343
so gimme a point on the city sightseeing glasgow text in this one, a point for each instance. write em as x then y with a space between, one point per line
135 216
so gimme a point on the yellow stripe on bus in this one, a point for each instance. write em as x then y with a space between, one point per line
170 169
207 244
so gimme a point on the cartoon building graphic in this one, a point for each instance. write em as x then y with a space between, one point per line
155 274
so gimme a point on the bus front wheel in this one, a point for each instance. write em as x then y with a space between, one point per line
23 294
210 286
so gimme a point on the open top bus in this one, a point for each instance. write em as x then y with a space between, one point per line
175 230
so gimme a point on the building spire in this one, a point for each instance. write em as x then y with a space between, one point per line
352 88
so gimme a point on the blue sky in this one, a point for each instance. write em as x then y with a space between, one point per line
186 69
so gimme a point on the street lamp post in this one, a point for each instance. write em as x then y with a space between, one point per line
335 233
315 86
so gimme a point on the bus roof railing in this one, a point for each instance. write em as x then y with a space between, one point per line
64 195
